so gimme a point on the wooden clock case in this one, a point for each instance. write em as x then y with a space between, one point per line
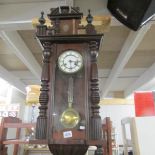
65 34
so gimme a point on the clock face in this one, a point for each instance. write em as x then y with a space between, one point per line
70 61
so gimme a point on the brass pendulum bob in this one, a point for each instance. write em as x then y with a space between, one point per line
70 117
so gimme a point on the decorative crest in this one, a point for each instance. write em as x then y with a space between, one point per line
65 12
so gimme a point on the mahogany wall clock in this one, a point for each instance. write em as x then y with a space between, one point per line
69 112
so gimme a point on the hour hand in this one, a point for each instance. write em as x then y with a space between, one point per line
76 63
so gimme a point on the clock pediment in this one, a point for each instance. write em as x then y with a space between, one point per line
65 12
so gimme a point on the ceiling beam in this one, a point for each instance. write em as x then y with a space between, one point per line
125 73
23 74
26 77
131 43
16 25
144 82
18 16
22 51
26 11
13 80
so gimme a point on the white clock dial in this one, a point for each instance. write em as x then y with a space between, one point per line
70 61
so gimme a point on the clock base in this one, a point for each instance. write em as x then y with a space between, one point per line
72 149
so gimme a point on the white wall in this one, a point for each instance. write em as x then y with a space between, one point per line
19 98
145 134
116 113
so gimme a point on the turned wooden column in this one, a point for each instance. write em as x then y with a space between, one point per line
41 126
95 120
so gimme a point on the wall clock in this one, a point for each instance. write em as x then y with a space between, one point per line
69 113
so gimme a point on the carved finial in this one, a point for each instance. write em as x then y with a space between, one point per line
90 28
42 19
89 18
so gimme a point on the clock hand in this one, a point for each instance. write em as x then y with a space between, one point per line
71 64
76 63
70 61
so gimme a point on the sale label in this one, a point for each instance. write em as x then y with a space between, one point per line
67 134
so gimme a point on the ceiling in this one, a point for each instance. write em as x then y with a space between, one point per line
126 60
